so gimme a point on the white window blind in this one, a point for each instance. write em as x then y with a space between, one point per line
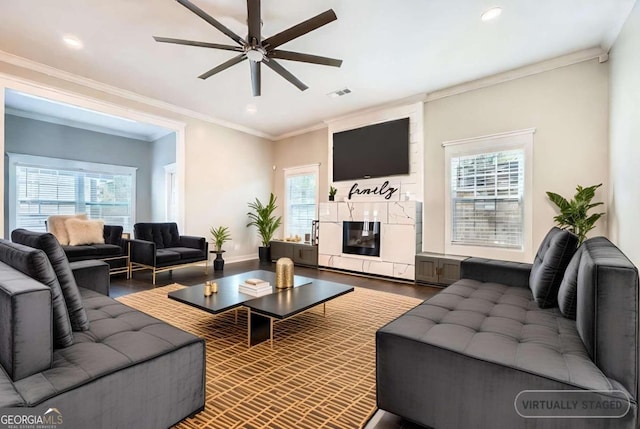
487 199
59 187
301 195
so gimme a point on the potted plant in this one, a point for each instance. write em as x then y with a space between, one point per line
263 219
574 214
332 193
220 236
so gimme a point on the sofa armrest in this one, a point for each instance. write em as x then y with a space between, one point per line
112 234
194 242
143 252
26 326
496 271
92 274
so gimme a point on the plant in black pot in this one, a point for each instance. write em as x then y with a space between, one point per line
263 219
220 236
332 193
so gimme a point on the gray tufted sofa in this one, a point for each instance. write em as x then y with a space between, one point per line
461 358
100 363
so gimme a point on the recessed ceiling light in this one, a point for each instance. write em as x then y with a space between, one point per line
490 14
72 41
251 108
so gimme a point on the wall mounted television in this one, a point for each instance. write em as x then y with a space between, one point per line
378 150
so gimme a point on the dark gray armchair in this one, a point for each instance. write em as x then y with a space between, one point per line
158 246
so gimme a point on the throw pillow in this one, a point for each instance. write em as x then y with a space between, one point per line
48 243
568 292
56 226
549 265
85 231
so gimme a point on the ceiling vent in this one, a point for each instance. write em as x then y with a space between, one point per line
339 93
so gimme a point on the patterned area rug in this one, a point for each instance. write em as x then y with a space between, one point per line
320 373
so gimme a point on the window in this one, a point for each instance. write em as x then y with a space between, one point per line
488 182
301 199
42 187
487 192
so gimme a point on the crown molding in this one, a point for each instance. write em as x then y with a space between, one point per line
15 60
518 73
301 131
84 126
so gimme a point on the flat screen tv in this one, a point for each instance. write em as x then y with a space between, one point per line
378 150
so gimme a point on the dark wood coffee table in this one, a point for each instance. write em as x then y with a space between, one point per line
263 311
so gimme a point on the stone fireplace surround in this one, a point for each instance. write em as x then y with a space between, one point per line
400 236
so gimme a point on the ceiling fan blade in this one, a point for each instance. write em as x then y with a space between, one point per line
232 62
254 21
299 29
199 44
202 14
305 58
255 78
273 65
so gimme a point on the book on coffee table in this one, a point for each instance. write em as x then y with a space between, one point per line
255 286
255 292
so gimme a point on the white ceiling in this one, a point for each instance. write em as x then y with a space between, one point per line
391 49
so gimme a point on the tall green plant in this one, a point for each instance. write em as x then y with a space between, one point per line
574 214
220 236
263 219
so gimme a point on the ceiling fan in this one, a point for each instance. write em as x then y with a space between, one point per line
258 50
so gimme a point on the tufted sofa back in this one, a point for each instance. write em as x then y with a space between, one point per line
164 234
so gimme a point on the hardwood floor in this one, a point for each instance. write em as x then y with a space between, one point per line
195 275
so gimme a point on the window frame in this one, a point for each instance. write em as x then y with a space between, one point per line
515 140
303 170
16 159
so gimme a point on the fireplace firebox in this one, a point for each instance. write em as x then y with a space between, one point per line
361 238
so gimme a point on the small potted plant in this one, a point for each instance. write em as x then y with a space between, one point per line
220 236
332 193
574 214
263 219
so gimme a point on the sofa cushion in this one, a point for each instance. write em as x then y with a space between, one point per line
567 293
35 264
85 231
164 234
49 244
75 253
119 337
549 265
504 325
187 252
56 226
166 257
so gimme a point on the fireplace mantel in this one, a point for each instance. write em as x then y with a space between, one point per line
400 236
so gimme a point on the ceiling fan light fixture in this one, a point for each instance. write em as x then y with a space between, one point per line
490 14
255 55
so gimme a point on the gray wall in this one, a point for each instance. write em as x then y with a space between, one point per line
163 153
32 137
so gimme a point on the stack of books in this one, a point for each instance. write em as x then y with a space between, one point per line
255 287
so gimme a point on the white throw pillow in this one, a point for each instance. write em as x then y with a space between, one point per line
85 231
56 226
